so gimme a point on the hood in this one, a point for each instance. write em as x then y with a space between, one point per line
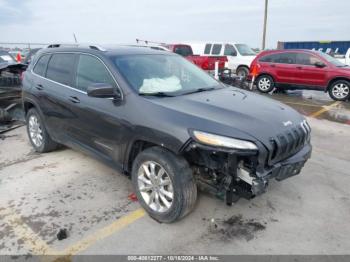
228 110
247 59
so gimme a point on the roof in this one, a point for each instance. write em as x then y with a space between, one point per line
287 50
108 51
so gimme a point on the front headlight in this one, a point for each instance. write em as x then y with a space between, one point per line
223 141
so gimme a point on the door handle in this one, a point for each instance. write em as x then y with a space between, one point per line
273 65
299 67
39 87
74 99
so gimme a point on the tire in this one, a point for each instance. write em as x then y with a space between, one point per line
37 133
265 83
182 184
242 71
340 90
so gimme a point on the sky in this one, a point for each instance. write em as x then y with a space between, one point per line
117 21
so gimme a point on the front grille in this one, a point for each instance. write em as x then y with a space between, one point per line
288 143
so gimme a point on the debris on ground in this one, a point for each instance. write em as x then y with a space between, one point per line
132 197
235 227
62 234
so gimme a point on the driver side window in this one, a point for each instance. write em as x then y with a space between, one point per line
307 59
230 50
90 70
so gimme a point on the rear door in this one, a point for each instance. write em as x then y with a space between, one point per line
307 74
55 90
281 66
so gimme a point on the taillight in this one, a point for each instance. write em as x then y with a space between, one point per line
205 65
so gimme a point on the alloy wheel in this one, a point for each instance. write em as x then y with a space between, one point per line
35 131
155 186
264 84
340 91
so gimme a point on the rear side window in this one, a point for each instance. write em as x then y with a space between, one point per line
40 66
216 49
183 50
267 58
283 58
286 58
90 70
307 59
61 68
207 49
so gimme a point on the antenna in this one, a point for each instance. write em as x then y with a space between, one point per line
75 38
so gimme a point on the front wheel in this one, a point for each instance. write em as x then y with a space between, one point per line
340 90
265 84
164 184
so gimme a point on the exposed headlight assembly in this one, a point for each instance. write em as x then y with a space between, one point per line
223 141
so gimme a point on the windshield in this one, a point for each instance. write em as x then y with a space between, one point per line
331 59
165 74
245 50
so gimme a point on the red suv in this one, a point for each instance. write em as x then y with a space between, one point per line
301 69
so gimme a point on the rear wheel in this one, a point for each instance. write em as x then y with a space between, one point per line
242 71
164 184
265 84
340 90
38 136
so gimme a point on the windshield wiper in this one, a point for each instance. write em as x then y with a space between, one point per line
159 94
198 90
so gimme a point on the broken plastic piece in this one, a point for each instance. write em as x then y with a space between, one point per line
132 197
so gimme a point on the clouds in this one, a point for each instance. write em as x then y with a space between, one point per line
117 21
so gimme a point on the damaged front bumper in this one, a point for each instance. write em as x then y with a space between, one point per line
282 170
232 174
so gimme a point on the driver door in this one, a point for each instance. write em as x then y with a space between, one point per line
99 127
309 75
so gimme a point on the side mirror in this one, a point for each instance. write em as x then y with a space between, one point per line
320 64
102 90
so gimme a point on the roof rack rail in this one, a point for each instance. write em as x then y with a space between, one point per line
95 47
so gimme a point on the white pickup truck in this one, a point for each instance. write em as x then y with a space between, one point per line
345 59
239 56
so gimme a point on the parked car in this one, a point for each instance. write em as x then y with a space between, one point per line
239 56
302 69
345 59
10 83
6 59
165 122
205 62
